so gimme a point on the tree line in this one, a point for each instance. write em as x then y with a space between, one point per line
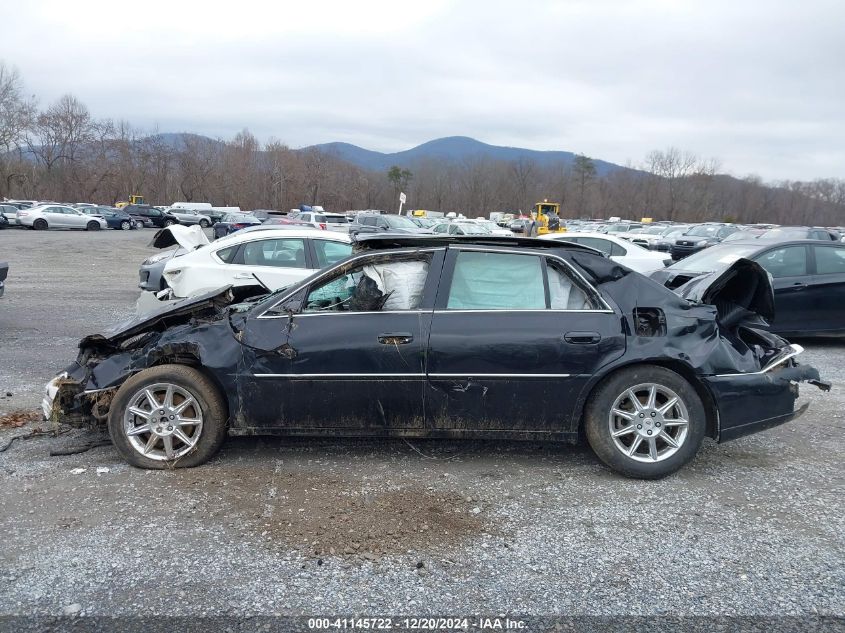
63 153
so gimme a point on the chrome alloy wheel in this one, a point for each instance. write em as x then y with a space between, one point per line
648 422
163 421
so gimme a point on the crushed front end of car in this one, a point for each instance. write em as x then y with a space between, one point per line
193 331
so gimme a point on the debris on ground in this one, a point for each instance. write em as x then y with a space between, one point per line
19 418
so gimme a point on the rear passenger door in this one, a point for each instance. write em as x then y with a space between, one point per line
276 262
828 287
56 217
792 283
515 336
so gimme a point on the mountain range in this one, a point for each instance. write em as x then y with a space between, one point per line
452 149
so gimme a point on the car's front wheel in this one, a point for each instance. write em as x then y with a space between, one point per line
125 225
645 421
204 224
169 222
93 226
170 416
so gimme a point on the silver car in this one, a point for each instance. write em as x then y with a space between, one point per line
56 216
191 216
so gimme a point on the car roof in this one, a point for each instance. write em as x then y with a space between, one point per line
765 244
397 240
270 231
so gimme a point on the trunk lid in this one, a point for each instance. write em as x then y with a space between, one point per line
742 294
188 237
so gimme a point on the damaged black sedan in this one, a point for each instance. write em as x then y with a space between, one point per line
453 338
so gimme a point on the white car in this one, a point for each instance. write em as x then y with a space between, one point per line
191 216
491 226
461 227
273 258
322 220
631 255
57 216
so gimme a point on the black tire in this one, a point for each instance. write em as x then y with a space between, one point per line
126 225
597 424
169 222
92 226
40 224
139 224
206 394
204 224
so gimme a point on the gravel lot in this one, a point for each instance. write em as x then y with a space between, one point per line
752 527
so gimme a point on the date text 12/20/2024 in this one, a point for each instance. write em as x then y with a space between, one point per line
418 624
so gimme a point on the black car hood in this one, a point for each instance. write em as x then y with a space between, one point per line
742 294
166 314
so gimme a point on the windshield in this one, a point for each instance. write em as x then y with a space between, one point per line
784 234
399 222
241 217
704 230
714 258
334 219
474 229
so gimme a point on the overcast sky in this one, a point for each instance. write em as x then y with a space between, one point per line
757 84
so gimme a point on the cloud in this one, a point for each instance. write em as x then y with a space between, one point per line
758 86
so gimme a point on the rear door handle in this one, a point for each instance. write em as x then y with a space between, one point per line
798 286
395 338
244 276
584 338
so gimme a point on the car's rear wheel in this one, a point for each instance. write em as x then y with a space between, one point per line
40 225
139 224
170 416
645 422
125 225
204 224
92 226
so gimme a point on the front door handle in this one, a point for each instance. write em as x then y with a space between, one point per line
395 338
584 338
798 286
244 276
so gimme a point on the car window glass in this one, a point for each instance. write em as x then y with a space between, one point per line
454 230
790 261
372 287
596 242
329 252
496 281
280 253
616 249
227 254
829 260
564 294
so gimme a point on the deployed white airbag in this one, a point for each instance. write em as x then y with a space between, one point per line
402 281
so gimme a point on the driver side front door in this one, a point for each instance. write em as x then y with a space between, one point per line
349 354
